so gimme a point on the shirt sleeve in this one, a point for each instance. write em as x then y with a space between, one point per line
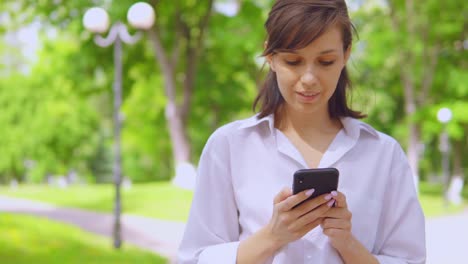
401 236
212 230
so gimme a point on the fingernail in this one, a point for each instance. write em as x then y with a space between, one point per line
330 203
328 197
309 192
334 193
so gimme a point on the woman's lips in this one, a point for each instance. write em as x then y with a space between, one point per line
308 97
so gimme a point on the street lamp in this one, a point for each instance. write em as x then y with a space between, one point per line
444 115
141 16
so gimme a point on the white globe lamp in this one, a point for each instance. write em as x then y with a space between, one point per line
444 115
96 20
141 16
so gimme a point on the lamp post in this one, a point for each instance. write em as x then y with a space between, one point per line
444 115
96 20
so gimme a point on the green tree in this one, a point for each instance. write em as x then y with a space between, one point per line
404 54
225 83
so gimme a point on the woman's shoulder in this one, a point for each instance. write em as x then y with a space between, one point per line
234 128
377 136
240 126
379 142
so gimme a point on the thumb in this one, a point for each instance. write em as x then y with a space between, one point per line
281 196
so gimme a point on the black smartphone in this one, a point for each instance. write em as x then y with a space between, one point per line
323 180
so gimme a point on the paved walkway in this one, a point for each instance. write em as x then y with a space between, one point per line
161 237
447 237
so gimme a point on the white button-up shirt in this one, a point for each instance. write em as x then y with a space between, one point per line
246 163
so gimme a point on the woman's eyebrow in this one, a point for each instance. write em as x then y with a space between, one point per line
295 52
327 51
286 51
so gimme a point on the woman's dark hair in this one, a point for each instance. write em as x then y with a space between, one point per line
294 24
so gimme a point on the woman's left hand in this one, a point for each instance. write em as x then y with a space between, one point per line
337 222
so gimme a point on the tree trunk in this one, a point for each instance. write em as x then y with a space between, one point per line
408 83
177 131
454 193
177 114
181 147
184 170
413 152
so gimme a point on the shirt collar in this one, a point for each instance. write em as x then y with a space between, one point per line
352 126
255 121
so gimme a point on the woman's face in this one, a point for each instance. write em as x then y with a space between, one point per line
307 77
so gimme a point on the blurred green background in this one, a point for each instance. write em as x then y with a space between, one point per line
409 60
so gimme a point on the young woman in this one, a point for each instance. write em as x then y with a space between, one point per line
243 208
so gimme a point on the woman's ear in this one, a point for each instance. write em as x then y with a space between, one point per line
347 54
269 60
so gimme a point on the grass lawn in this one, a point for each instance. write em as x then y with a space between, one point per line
165 201
160 200
433 203
28 239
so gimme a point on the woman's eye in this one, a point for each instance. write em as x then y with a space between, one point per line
326 63
292 62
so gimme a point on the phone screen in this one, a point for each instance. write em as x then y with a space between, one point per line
323 180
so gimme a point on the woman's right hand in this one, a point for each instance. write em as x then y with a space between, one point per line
290 223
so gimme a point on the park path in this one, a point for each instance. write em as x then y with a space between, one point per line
446 237
158 236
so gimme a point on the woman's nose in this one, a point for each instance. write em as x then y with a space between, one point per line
308 78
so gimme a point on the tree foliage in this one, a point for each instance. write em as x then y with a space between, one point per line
58 113
412 63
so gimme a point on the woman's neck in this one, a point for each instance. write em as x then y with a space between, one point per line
307 124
